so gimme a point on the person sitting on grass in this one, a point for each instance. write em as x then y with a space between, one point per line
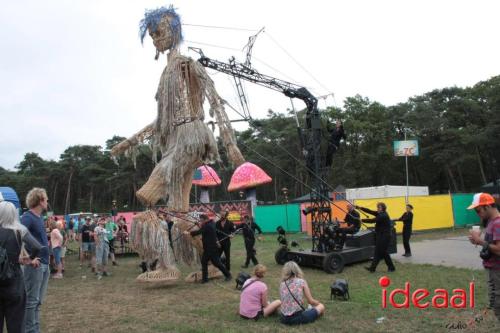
253 299
293 289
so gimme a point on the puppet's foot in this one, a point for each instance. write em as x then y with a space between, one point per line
213 272
161 275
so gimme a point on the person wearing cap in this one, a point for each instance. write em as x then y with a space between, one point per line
487 210
407 219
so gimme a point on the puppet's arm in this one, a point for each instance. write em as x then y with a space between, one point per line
217 109
134 140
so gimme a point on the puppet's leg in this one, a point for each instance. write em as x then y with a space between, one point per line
156 186
153 243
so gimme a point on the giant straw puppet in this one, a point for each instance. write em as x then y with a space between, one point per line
184 140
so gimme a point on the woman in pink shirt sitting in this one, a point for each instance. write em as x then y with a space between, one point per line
253 299
56 242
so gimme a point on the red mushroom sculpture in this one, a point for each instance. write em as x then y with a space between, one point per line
247 177
209 178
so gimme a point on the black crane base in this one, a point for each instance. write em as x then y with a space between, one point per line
358 248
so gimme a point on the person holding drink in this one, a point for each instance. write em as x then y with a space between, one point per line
485 206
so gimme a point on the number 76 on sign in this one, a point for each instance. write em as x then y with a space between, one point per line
406 148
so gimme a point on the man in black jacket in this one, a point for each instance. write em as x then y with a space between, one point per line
353 224
336 134
225 230
210 248
383 226
407 219
249 227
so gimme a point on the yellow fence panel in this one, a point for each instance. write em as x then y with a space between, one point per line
429 212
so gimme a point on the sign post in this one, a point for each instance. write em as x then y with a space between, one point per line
406 148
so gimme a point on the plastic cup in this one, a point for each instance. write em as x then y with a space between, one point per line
476 228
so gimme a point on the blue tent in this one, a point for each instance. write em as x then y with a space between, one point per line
8 194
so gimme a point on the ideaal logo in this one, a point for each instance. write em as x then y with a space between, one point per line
421 298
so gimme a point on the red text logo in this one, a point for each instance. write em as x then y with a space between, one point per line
421 298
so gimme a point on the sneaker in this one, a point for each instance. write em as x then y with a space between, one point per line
99 276
228 278
106 274
244 266
57 276
204 281
369 269
391 269
115 263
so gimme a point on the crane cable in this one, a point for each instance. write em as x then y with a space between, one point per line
290 175
296 62
219 27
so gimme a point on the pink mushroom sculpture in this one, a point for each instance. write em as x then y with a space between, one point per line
247 177
209 178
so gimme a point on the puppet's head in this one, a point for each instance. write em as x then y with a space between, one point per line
164 27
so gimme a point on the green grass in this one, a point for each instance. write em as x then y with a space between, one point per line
119 304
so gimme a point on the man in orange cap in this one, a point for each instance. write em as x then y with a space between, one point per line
485 206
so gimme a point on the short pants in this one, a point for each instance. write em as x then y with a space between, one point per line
88 247
301 317
57 254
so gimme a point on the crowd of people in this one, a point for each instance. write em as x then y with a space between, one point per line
31 248
97 236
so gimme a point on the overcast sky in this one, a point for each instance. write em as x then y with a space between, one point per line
74 72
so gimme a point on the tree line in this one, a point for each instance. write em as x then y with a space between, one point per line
457 130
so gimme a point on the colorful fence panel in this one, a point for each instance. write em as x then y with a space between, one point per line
462 215
430 212
270 217
338 211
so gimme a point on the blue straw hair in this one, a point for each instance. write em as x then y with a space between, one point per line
152 18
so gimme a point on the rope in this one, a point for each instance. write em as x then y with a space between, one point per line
213 45
294 60
219 27
300 164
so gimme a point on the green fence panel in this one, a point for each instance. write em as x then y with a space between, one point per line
270 217
461 214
